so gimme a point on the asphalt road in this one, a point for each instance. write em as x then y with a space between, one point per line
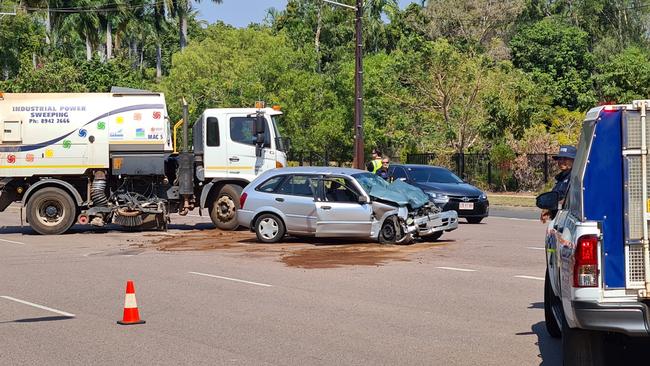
473 298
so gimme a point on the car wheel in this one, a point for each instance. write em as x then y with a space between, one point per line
474 220
269 228
433 237
550 301
582 347
391 232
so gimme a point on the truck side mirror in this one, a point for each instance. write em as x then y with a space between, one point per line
548 200
260 124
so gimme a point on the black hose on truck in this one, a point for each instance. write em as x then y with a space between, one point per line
98 188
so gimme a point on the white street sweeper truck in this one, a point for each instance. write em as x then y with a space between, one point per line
99 158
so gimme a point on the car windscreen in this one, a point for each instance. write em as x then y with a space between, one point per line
368 181
433 175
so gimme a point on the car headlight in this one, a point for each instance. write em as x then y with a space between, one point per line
438 197
482 197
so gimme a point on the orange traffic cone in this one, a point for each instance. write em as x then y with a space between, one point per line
131 314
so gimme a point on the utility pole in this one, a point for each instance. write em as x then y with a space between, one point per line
359 156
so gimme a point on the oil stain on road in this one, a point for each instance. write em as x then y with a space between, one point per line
306 253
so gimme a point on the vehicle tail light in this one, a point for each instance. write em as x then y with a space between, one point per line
242 200
585 271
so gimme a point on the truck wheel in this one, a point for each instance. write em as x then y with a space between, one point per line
269 228
51 211
550 301
223 211
582 347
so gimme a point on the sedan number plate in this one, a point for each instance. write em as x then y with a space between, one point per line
466 206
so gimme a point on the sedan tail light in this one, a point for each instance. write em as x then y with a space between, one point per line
242 200
585 271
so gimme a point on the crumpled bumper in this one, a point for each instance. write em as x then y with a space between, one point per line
427 225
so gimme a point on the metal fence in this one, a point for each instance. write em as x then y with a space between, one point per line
322 159
524 172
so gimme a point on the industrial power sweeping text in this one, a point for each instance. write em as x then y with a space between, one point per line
49 114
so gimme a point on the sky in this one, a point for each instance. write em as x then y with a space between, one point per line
241 13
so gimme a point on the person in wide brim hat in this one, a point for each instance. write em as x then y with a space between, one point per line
564 159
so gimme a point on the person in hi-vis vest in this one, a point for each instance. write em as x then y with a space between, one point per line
374 164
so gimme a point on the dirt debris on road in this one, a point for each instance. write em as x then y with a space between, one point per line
296 252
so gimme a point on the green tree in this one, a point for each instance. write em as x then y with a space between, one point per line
557 57
625 77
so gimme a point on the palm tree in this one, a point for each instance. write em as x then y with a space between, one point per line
181 9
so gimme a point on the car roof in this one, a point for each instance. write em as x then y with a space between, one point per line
318 170
314 170
418 166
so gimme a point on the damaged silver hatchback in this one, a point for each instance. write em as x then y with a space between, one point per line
339 202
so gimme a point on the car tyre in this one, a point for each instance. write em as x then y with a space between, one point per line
474 220
51 211
582 347
550 301
269 228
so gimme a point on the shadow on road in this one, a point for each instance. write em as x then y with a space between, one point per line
550 349
41 319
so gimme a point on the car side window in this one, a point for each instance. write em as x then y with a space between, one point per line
399 172
340 190
271 184
298 185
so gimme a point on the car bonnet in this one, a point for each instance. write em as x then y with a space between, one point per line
401 193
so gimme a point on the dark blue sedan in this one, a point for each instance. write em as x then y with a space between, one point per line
445 189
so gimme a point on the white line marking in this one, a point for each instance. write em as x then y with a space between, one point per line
457 269
91 253
39 306
535 248
12 242
530 278
232 279
513 218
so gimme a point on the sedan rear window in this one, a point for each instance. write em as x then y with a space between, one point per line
271 184
298 185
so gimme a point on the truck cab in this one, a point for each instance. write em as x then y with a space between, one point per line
597 244
229 155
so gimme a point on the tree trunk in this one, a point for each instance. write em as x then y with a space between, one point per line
319 27
133 52
89 49
109 40
141 58
183 30
5 71
34 60
48 25
158 61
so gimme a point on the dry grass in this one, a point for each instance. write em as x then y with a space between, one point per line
516 200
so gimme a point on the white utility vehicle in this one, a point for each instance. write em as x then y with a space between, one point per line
98 158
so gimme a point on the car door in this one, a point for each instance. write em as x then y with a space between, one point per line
214 145
242 160
339 212
295 198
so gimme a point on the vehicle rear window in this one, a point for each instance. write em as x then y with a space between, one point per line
271 184
298 185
